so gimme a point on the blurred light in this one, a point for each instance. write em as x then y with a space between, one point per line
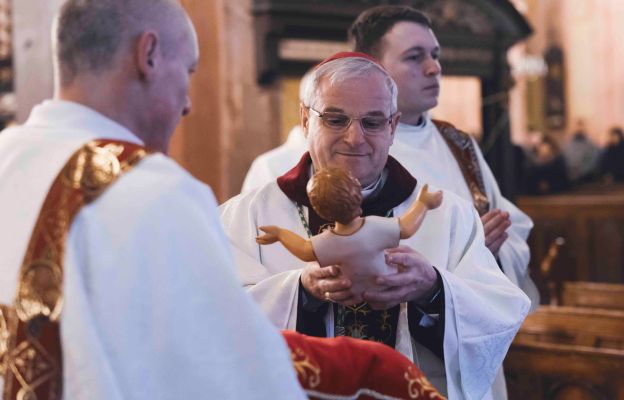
528 66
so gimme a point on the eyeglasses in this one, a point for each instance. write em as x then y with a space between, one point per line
372 125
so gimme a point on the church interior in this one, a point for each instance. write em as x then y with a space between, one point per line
539 83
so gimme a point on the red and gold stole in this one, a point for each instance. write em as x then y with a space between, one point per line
464 152
30 346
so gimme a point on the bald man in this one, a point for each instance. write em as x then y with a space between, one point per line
146 278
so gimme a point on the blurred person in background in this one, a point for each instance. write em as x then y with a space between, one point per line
612 161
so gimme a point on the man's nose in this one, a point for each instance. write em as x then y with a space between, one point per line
432 67
354 133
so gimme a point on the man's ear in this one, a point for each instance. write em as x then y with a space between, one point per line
147 53
393 124
304 117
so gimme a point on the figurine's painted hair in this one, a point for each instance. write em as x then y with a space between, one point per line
335 195
371 26
342 69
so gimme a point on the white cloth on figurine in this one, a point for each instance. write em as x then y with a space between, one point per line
276 162
359 255
424 153
152 308
483 309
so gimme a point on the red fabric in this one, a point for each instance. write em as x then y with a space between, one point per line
34 357
349 54
355 368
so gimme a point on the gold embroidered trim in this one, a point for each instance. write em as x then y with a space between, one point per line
307 370
4 336
418 387
89 172
30 349
462 148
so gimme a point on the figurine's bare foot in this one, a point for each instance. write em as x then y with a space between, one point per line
430 200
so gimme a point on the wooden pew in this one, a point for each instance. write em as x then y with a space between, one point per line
593 295
574 326
591 220
566 353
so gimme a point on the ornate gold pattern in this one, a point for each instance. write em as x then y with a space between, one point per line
358 327
32 365
40 288
385 324
95 168
30 348
462 148
418 387
304 366
4 336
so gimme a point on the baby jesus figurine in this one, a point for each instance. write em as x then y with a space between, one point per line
355 244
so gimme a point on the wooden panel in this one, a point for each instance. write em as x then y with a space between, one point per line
198 141
567 353
32 24
233 119
591 221
607 237
545 371
594 295
574 326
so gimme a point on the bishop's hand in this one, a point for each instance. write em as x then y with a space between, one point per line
416 280
328 283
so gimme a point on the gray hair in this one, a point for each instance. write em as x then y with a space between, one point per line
89 33
343 69
304 83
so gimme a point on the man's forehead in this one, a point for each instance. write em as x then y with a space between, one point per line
187 41
406 35
359 94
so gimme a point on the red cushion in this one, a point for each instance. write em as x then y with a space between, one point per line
355 368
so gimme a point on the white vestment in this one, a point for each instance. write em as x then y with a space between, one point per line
152 308
268 166
483 309
424 153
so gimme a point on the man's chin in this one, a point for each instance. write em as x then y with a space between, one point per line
359 171
428 104
351 163
423 106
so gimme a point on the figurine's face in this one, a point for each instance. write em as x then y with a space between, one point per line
364 155
410 53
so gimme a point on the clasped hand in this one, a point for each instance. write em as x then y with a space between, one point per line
495 224
416 280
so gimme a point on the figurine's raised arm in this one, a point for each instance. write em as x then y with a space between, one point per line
413 218
294 243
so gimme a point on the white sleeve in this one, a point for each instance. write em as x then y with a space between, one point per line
259 174
483 309
155 310
514 254
274 289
